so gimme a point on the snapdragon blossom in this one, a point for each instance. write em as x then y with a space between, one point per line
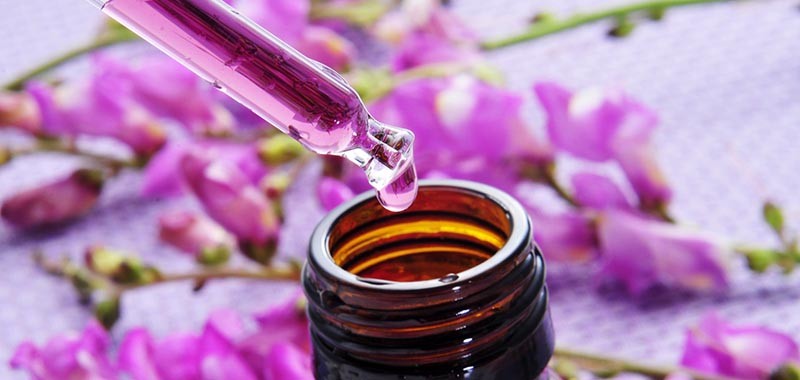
425 32
606 125
193 233
54 202
289 20
80 356
231 199
464 128
641 252
717 346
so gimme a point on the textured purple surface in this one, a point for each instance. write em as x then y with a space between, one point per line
725 80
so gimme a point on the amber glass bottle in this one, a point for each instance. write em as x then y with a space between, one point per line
452 288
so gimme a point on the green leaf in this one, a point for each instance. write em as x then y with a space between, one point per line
108 312
773 216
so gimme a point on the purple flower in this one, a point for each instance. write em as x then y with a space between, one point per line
641 252
464 128
54 202
74 357
744 352
19 110
332 192
424 49
210 356
100 105
289 20
231 199
564 237
193 233
283 325
602 125
599 192
327 47
284 18
187 99
162 176
426 33
640 167
287 361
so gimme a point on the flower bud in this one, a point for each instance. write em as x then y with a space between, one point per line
19 110
107 312
261 253
55 202
120 268
759 260
279 149
196 235
275 184
332 192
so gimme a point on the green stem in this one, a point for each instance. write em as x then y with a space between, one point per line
607 365
548 27
18 83
65 268
289 273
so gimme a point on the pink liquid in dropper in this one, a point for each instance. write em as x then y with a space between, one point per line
301 97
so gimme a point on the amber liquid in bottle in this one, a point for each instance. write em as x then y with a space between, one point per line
452 288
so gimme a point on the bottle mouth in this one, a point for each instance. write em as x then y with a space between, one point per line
454 232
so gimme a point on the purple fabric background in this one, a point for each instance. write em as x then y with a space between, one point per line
725 80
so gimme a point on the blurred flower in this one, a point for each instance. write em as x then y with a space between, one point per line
282 344
287 361
598 192
211 355
233 201
163 174
564 237
332 192
324 45
19 110
195 234
716 346
640 167
641 252
284 18
289 21
423 49
74 357
187 99
464 128
102 104
425 32
601 125
54 202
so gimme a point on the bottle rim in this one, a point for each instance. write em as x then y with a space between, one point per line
520 236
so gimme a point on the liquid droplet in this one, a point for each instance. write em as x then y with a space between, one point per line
400 194
448 278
